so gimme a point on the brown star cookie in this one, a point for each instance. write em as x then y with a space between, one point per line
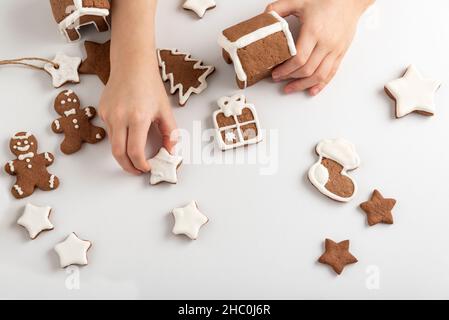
98 60
337 255
378 209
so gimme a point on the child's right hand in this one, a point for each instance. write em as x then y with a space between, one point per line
132 101
327 30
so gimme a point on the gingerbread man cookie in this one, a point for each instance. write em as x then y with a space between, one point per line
75 123
30 168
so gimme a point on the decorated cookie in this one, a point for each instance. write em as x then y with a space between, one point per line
30 168
413 93
199 6
257 46
98 61
189 220
73 251
337 255
75 123
236 123
71 15
35 220
64 69
184 73
164 167
378 209
330 174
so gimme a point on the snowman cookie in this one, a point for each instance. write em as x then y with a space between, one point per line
330 174
75 123
30 168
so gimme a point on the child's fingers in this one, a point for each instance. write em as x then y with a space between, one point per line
320 76
305 44
282 7
319 87
168 130
137 140
309 69
118 144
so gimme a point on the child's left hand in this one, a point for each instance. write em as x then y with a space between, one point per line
327 30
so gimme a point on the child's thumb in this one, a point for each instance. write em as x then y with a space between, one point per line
169 131
282 7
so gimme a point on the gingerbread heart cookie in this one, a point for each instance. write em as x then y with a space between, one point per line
30 168
75 123
329 175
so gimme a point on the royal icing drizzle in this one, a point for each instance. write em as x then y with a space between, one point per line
35 220
164 167
78 10
413 93
73 251
189 220
183 97
199 6
52 181
67 70
340 151
233 47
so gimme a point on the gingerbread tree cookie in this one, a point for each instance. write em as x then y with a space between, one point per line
184 73
75 123
30 168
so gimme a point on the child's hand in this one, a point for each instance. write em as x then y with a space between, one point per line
133 100
327 30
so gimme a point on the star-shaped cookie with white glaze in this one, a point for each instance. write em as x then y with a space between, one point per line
63 70
35 220
199 6
413 93
189 220
163 167
73 251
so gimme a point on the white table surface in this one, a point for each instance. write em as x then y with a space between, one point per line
267 223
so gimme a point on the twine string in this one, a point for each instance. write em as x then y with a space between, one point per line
23 62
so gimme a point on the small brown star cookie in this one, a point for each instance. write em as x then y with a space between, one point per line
378 209
98 60
337 255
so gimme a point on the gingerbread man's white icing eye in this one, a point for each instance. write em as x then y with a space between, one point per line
14 147
25 142
69 100
74 100
63 102
19 143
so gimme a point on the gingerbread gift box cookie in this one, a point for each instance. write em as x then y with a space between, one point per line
256 46
236 123
330 173
30 167
71 15
74 123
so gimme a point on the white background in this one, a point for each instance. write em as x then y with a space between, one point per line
266 231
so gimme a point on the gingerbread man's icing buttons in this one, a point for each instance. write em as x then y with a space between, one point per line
30 167
189 220
163 167
330 173
35 220
75 123
73 251
413 93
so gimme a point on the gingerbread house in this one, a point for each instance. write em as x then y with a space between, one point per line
256 46
236 123
71 15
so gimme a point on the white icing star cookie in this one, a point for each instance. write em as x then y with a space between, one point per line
35 220
164 167
67 70
413 93
189 220
73 251
199 6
